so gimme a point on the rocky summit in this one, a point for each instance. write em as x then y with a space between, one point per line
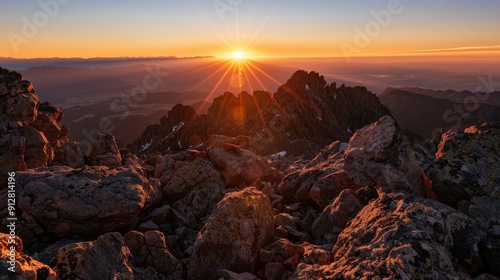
315 181
304 114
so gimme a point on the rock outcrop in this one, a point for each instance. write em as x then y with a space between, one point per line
104 151
242 166
195 188
176 132
150 250
239 226
402 236
29 130
466 177
304 112
377 156
380 154
105 258
111 256
86 201
24 266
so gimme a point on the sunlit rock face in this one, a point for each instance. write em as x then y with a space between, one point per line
29 130
402 236
466 176
239 226
304 114
26 267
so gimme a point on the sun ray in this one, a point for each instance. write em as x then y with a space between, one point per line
259 111
228 45
260 27
264 73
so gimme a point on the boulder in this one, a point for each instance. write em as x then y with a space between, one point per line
195 188
69 154
12 149
242 166
314 254
104 151
330 186
150 249
239 226
22 116
26 267
466 177
20 106
48 122
165 169
319 181
105 258
283 249
404 236
229 275
37 151
335 216
86 201
380 154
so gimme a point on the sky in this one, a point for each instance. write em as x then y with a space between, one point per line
272 28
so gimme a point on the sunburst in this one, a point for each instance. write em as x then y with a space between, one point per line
237 63
239 55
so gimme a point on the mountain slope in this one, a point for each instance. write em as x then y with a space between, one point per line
425 115
304 109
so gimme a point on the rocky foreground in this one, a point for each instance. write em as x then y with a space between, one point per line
375 207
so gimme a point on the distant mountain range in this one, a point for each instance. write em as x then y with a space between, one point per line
424 111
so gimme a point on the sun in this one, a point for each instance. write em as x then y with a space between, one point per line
239 55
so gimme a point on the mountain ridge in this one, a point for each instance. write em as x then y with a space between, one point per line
305 107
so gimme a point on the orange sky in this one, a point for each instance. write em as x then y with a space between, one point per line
261 28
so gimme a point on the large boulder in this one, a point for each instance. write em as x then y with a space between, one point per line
86 201
48 121
335 216
70 154
37 151
25 267
12 147
165 169
105 258
104 151
239 226
407 237
17 97
195 188
111 256
380 154
150 250
29 131
242 166
466 177
320 180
